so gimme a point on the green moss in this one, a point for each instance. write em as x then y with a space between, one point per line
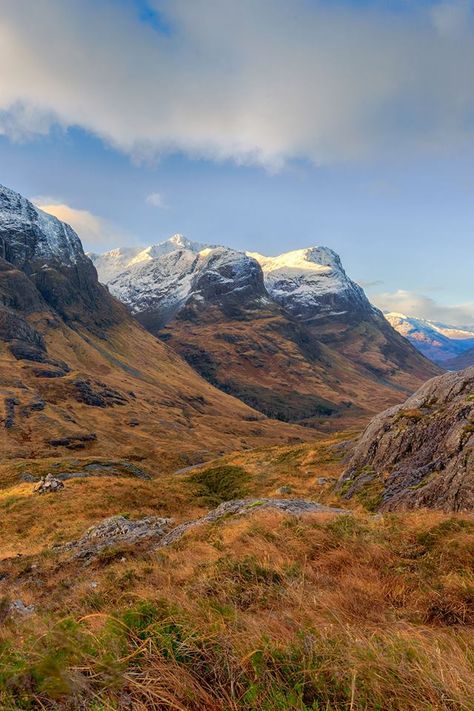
222 483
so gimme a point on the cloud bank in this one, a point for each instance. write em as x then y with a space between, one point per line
254 82
413 304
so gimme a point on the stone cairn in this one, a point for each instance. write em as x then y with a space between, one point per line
48 485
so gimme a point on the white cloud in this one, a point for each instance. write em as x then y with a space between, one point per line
95 232
155 200
413 304
256 82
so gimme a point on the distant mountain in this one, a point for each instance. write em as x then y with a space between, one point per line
292 336
78 373
441 343
421 453
464 360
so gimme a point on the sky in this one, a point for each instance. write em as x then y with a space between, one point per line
265 126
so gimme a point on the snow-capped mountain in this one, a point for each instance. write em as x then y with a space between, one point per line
111 264
50 253
437 341
308 283
311 283
79 373
160 279
292 336
48 239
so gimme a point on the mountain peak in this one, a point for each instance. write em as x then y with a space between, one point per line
308 258
48 238
311 282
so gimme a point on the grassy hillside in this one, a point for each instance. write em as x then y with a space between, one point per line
263 611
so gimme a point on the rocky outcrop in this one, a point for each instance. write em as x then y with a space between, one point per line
120 530
421 453
117 530
246 507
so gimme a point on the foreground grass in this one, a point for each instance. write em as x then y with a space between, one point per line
266 612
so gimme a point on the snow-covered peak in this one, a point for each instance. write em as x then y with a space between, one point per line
400 320
437 341
311 259
29 234
311 283
110 264
162 278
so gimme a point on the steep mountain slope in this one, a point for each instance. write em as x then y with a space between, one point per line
77 373
439 342
292 336
464 360
420 453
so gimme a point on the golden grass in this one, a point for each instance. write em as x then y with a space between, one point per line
265 612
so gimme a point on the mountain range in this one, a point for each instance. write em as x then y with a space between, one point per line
78 373
451 347
292 336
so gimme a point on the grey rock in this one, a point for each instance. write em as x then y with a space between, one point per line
420 453
117 530
18 607
26 476
120 530
245 507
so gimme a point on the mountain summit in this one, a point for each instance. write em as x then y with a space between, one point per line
311 283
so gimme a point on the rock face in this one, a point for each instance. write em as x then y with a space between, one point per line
292 336
49 253
450 346
421 453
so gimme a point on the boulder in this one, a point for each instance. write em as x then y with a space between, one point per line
420 453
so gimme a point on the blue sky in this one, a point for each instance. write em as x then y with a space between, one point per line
348 124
